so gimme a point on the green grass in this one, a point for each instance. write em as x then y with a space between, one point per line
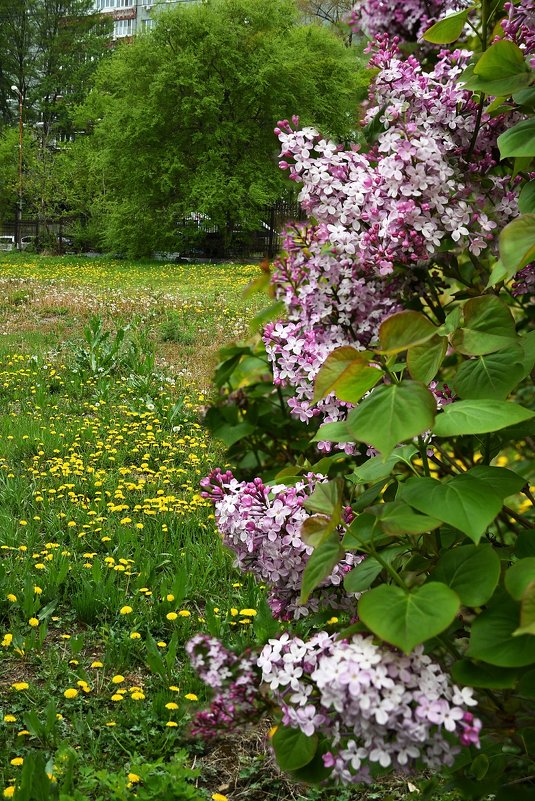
109 557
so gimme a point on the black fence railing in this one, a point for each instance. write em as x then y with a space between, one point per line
197 236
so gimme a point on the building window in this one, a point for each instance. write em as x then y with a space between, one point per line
110 5
122 27
147 24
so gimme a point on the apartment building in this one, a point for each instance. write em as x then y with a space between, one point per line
133 16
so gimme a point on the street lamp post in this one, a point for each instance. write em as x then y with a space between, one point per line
18 221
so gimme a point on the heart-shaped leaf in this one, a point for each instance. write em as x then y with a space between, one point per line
519 577
488 325
407 619
424 360
465 502
479 417
392 413
518 140
472 571
398 518
493 376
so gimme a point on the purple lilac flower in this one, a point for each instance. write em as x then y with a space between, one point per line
374 704
262 525
238 699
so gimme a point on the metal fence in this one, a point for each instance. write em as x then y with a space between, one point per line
197 236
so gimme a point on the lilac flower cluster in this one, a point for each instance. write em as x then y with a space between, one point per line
236 680
375 705
421 182
519 26
262 525
329 304
408 19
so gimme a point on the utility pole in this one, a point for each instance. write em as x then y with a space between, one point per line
18 219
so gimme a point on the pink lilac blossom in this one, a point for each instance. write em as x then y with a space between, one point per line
395 205
375 705
236 680
519 26
408 19
329 304
262 526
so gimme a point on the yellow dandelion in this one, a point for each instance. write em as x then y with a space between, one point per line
134 778
191 697
171 724
184 613
125 610
33 621
9 792
171 616
171 705
20 685
248 612
71 692
138 696
16 761
118 679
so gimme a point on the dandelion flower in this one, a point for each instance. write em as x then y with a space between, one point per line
191 697
219 797
170 597
138 696
96 664
11 597
33 621
171 724
171 616
117 697
125 610
134 778
9 719
71 692
184 613
9 792
20 685
248 612
171 705
135 635
16 761
117 679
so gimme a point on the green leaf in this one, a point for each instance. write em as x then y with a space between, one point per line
519 577
526 198
504 482
405 330
320 564
406 619
392 413
377 468
525 544
501 70
527 611
479 417
326 499
398 518
230 434
424 360
498 274
472 571
517 243
465 502
362 531
481 675
493 375
348 374
526 98
492 639
447 30
332 432
488 325
293 749
518 140
316 529
363 575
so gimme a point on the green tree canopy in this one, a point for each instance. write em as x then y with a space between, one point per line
184 116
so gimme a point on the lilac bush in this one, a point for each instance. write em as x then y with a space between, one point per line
408 300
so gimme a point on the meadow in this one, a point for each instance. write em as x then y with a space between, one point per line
109 557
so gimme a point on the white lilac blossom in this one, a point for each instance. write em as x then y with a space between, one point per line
262 526
374 705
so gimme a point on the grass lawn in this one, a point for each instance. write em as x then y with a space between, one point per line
109 559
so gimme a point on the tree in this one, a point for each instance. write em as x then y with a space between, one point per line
330 12
48 50
187 116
